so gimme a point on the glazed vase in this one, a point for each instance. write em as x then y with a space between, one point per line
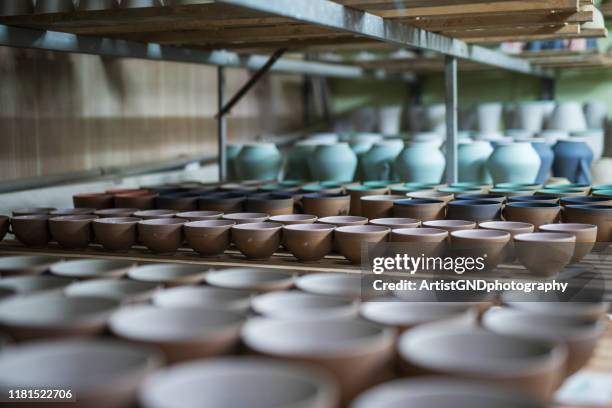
568 116
260 161
472 161
297 160
547 156
232 151
334 162
515 162
573 158
420 162
377 163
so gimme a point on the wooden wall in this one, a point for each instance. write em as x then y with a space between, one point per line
61 113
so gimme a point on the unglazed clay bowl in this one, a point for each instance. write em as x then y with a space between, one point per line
532 367
534 199
356 192
291 219
416 241
545 253
208 238
561 192
585 200
490 245
270 203
432 195
246 218
200 215
600 215
93 200
579 335
142 201
337 345
489 197
566 306
27 284
116 234
181 202
169 275
424 209
225 202
344 285
251 279
379 206
25 264
155 214
350 240
295 305
32 230
450 225
181 333
532 213
206 297
326 205
91 269
308 242
72 231
396 222
116 212
474 210
122 290
586 236
72 211
163 235
257 240
51 315
343 220
513 227
254 383
33 211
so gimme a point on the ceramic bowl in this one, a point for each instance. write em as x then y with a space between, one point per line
460 190
356 192
489 197
155 214
66 365
308 242
247 218
204 297
225 202
136 200
162 235
270 203
258 240
116 212
343 220
50 315
72 211
181 202
450 225
527 366
607 193
32 230
72 231
25 264
337 345
395 223
528 186
579 335
325 205
296 305
545 253
379 206
345 285
512 227
532 213
419 208
181 333
200 215
91 269
586 236
416 241
585 200
534 199
210 237
33 211
581 307
292 219
491 245
561 192
432 195
122 290
254 382
169 275
251 279
600 215
93 200
116 234
474 210
349 240
512 192
27 284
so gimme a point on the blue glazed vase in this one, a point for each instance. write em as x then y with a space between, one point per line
232 151
297 161
573 158
514 162
260 161
472 161
334 162
377 163
421 162
547 156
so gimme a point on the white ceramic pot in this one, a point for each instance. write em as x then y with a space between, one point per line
596 114
489 116
529 116
595 138
389 119
53 6
16 7
435 118
568 116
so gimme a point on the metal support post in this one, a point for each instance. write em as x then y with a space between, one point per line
450 73
221 126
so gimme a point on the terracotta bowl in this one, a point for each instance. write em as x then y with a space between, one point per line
155 214
474 210
527 366
254 382
270 203
91 269
291 219
115 191
32 230
163 235
25 264
532 213
246 218
545 253
72 231
208 238
600 215
116 234
337 345
122 290
116 212
308 242
225 202
28 284
344 285
204 297
72 211
395 223
420 208
586 236
450 225
416 241
136 200
181 333
169 275
33 211
379 206
257 240
579 335
356 192
93 200
489 244
66 365
343 220
326 205
251 279
295 305
534 199
51 315
200 215
349 240
432 195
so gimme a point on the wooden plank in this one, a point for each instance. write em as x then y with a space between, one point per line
496 36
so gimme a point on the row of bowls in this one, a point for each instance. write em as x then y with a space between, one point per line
528 347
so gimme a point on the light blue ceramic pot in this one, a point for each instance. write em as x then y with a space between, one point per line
260 161
515 162
472 161
334 162
232 151
420 162
377 163
297 160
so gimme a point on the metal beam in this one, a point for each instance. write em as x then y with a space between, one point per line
111 47
326 13
450 77
221 126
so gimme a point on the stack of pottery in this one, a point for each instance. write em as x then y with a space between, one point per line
420 162
259 161
515 162
472 161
